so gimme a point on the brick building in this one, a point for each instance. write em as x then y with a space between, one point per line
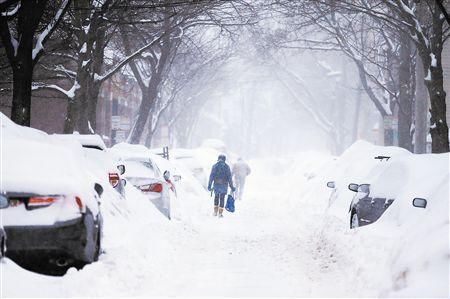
118 97
119 100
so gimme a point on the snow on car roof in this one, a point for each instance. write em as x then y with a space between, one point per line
34 162
86 140
40 167
127 150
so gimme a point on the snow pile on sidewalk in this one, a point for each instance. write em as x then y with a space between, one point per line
406 252
135 233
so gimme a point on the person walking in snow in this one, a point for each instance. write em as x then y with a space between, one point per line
219 180
240 172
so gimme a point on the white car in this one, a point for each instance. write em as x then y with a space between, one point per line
99 161
188 158
143 172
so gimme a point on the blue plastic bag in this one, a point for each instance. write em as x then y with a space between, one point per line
230 204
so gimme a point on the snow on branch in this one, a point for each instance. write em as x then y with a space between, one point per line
12 12
130 57
67 93
42 38
412 20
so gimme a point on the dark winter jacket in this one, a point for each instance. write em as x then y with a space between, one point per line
221 177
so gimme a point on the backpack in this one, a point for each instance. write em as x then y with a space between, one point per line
230 204
221 176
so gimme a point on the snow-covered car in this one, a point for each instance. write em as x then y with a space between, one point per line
144 172
99 160
53 218
384 183
189 160
365 208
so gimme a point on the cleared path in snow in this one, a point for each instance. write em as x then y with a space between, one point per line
271 246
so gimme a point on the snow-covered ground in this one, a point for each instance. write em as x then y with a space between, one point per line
285 239
263 249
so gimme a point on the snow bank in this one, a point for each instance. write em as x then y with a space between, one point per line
406 252
135 233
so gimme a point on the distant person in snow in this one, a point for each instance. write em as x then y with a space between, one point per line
219 180
240 171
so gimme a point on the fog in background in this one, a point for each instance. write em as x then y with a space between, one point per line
285 102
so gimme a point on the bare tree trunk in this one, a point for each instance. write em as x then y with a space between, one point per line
151 131
82 98
150 93
434 81
356 114
438 120
420 111
82 110
21 59
405 98
22 79
97 64
71 116
148 97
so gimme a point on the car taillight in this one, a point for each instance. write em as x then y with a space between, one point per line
79 203
42 201
114 179
156 187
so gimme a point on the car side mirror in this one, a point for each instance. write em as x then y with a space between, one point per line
166 175
121 168
99 189
331 185
353 187
419 203
4 203
364 188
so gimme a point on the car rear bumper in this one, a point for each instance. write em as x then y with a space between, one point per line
67 239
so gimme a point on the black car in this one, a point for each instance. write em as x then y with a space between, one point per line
52 249
52 215
365 209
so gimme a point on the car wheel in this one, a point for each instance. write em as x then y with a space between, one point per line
354 221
